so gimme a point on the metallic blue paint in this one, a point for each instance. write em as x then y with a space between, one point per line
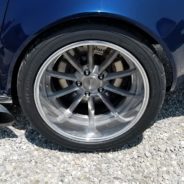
25 20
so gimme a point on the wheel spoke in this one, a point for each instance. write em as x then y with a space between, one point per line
91 114
63 92
118 91
108 61
121 74
90 58
113 110
61 75
73 62
108 104
76 102
68 112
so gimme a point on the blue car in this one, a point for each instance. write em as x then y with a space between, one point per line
90 74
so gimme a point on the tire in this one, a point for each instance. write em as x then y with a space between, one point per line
149 71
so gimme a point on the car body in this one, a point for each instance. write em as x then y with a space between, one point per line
160 23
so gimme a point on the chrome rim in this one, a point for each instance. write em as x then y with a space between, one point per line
91 91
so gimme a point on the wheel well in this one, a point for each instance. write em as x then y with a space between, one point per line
121 24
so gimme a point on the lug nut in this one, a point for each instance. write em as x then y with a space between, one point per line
100 90
87 72
78 83
101 77
87 93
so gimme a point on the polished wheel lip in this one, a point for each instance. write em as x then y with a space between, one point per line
57 54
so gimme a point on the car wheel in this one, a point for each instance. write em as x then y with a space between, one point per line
91 87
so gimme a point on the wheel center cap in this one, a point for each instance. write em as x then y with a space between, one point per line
91 83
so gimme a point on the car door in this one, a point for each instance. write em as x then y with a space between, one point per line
3 5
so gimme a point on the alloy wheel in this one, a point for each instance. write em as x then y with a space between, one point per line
91 91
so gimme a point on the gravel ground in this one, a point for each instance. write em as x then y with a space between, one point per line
155 157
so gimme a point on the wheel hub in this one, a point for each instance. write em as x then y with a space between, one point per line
91 83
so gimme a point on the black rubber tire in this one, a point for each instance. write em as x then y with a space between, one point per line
36 56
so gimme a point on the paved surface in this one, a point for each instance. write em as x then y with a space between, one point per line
155 157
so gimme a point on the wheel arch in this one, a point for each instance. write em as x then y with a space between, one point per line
151 40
